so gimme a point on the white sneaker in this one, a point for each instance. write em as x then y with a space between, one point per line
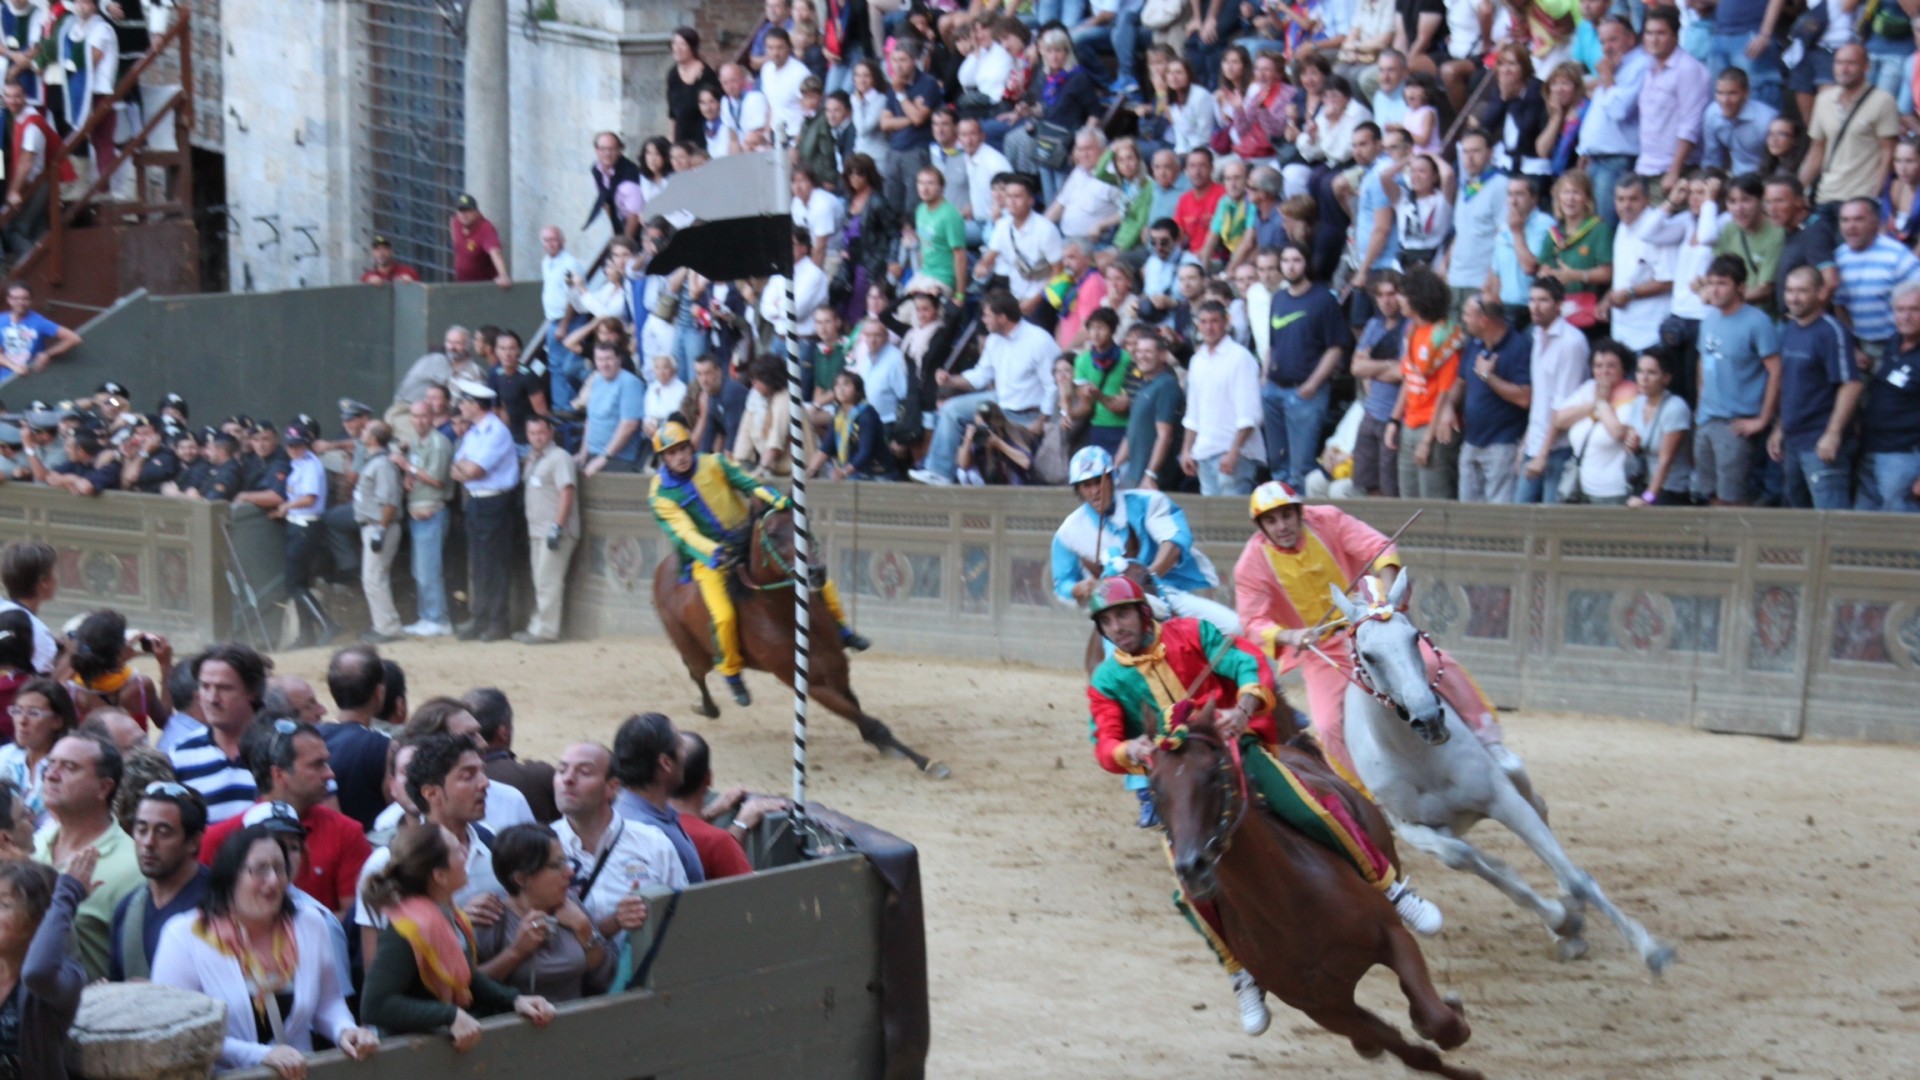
1420 914
1254 1016
427 629
928 476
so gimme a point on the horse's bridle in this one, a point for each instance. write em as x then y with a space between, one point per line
1234 799
1358 673
787 573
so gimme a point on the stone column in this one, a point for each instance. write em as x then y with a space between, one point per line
489 162
145 1031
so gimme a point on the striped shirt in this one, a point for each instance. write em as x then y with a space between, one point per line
226 785
1867 282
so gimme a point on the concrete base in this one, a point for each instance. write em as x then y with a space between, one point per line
144 1031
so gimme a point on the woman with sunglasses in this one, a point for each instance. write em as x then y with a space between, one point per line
42 714
544 942
270 962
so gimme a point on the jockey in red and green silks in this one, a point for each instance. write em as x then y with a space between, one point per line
1134 691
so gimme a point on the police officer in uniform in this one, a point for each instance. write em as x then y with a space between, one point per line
302 508
487 464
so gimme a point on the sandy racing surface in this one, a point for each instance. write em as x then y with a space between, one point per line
1786 874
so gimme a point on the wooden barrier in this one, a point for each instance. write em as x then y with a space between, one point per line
1766 622
773 975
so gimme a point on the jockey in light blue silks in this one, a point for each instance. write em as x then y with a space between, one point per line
1111 529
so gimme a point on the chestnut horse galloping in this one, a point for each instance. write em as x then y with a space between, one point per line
1293 913
764 603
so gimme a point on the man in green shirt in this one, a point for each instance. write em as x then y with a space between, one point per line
943 236
83 772
1754 239
1099 381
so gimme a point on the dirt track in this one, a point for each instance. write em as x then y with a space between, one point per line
1786 875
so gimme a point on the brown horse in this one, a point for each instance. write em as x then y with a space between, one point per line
763 604
1294 913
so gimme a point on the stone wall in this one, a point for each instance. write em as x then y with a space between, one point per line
296 180
295 218
1778 623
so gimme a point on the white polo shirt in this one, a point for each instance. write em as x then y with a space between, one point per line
1034 244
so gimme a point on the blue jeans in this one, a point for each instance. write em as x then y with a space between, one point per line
1121 36
1293 426
952 419
840 75
1730 50
1886 482
1884 61
688 346
1546 487
1606 171
566 371
1069 12
1215 482
429 577
1812 483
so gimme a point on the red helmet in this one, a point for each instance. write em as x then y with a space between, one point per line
1113 592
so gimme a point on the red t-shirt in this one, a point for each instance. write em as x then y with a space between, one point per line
472 250
336 849
720 854
1194 214
397 272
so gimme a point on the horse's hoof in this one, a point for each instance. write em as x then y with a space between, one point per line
1571 923
706 709
1658 959
1570 949
936 770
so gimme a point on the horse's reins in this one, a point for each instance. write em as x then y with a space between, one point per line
787 573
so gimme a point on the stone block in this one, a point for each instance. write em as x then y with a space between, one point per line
145 1031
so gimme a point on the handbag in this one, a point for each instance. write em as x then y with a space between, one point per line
1581 310
1052 145
666 306
1570 491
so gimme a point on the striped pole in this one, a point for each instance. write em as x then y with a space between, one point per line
802 543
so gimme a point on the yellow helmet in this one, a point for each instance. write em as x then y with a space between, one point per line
1271 495
669 435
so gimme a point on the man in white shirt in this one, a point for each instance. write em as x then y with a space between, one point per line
612 858
608 299
1642 269
558 271
1025 247
1015 369
988 66
1260 294
1087 208
983 164
780 79
1223 444
1559 366
810 291
816 210
27 572
745 118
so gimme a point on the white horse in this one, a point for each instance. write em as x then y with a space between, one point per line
1435 780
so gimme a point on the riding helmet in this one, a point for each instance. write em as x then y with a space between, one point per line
669 435
1271 495
1089 463
1113 592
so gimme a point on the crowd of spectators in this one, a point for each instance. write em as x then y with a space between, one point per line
1356 245
393 868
